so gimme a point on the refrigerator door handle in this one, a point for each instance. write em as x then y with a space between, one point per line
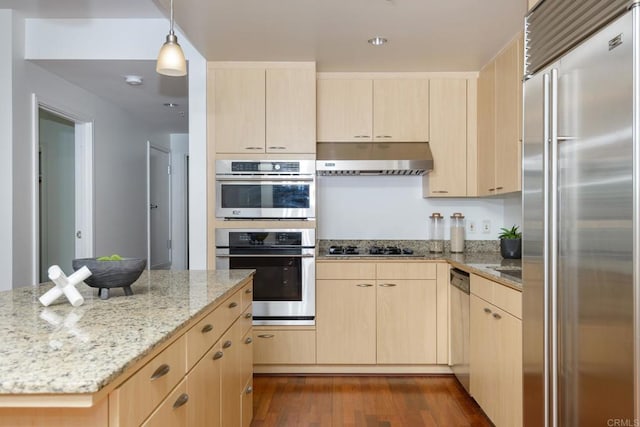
546 187
552 246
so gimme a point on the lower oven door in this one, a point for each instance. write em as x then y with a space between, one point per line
283 286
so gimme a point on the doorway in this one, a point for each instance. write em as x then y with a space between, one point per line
63 195
159 217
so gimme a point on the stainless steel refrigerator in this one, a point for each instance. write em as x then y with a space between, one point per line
581 204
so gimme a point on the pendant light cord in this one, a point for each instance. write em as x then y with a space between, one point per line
171 18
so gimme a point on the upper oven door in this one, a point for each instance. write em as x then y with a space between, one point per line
252 189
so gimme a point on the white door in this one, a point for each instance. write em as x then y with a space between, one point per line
159 208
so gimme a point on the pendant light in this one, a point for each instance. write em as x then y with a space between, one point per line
171 61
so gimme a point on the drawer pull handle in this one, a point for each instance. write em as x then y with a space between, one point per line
249 340
440 191
161 371
499 188
486 310
266 336
248 291
233 304
207 328
249 390
497 316
218 355
181 400
364 285
248 316
492 189
388 285
227 344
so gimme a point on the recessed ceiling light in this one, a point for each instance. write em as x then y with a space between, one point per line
377 41
171 104
133 80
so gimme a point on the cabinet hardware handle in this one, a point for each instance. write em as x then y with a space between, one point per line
387 285
248 316
497 316
440 191
499 188
160 372
253 148
218 355
486 310
248 291
361 136
266 336
181 400
233 304
207 328
364 285
383 136
249 340
249 390
227 344
492 189
277 147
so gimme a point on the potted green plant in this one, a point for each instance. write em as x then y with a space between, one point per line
510 243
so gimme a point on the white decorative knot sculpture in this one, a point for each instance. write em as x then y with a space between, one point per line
65 285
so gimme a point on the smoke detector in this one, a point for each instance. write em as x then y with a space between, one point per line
133 80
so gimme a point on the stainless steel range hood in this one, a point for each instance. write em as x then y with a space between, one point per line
373 158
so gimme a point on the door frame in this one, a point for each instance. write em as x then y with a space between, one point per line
151 146
84 206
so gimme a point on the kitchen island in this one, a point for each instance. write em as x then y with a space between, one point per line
62 357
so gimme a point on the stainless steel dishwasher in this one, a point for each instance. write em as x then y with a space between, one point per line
459 322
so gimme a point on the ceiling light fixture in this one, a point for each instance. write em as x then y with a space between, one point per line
171 61
133 80
377 41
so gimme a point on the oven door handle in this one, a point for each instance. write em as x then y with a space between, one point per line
266 256
266 178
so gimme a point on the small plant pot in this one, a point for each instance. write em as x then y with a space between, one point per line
511 248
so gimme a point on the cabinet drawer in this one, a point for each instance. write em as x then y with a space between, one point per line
482 287
231 309
406 270
173 411
503 297
246 295
140 394
204 334
247 403
246 320
284 347
345 270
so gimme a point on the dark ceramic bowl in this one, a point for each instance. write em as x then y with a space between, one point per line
111 274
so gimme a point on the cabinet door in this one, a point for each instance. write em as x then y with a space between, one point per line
486 131
401 110
482 356
230 373
203 387
239 110
406 321
345 110
284 347
173 411
346 321
291 110
508 338
508 89
448 137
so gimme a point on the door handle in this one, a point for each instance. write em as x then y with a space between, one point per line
79 234
152 206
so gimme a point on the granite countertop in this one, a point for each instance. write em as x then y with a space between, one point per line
482 263
66 349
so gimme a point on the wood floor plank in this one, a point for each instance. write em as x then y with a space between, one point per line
363 401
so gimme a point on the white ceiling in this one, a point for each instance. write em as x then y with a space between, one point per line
424 35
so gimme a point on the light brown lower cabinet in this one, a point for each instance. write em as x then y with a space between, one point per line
284 345
496 352
173 411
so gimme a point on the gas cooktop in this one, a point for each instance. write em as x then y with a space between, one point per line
373 250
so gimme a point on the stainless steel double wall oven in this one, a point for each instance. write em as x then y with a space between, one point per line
283 257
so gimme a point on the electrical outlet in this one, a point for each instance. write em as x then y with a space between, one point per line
486 226
472 227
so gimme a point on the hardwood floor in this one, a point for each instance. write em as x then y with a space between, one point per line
381 401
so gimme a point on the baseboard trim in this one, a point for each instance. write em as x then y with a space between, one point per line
353 369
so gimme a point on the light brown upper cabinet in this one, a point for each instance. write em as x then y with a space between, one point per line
262 107
366 109
448 139
500 122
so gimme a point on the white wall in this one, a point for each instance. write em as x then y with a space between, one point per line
179 220
392 207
